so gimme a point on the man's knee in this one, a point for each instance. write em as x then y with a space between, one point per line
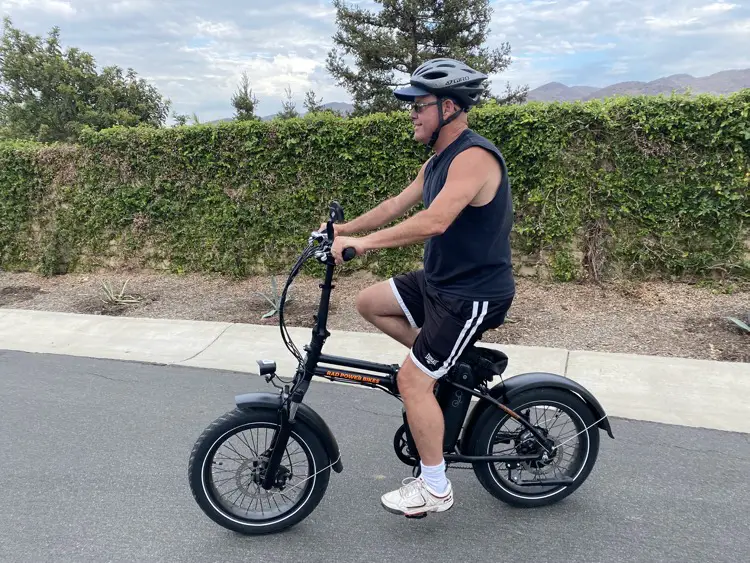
364 302
376 300
413 382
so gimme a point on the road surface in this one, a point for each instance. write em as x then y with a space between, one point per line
94 459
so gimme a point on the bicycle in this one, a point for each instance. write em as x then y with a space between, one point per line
265 474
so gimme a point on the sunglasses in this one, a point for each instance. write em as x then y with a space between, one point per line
417 107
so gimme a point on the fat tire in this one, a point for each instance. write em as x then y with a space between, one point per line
491 418
207 443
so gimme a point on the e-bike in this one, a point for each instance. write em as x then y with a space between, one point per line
531 439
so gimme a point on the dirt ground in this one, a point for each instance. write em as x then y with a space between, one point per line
664 319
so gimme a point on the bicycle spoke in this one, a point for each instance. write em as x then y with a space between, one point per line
236 481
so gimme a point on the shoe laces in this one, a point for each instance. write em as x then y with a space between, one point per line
411 486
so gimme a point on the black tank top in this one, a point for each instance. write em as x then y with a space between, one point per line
472 258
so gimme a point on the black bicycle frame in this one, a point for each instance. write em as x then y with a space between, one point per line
384 377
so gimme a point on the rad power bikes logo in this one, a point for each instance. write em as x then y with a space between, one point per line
352 376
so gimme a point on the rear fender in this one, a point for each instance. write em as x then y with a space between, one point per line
512 386
305 414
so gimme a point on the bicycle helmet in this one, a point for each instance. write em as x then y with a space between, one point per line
444 78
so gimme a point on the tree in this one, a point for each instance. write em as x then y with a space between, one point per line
389 45
50 95
312 104
180 119
288 110
244 101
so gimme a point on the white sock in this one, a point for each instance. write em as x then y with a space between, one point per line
435 478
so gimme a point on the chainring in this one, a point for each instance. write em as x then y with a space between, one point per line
401 446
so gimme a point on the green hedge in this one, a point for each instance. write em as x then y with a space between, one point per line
626 186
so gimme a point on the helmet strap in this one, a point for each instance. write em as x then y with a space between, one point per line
442 122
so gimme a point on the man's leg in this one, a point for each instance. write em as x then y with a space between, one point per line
422 411
432 492
379 304
449 326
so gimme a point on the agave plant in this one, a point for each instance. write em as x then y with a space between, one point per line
274 299
744 325
111 297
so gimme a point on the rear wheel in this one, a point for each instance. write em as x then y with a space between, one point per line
561 417
227 467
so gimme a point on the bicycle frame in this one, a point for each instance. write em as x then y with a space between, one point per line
451 394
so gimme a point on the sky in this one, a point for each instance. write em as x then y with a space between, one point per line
194 51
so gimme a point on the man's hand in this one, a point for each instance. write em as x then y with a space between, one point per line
340 243
338 228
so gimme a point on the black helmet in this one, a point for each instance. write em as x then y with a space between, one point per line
445 78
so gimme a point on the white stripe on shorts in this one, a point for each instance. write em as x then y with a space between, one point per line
404 308
470 328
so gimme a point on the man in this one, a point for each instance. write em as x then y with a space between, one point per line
466 286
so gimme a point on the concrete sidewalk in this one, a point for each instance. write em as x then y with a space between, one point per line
685 392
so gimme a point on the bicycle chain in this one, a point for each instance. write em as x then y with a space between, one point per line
459 465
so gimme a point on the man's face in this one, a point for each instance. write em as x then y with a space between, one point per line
425 117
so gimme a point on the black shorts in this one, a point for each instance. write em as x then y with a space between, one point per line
448 324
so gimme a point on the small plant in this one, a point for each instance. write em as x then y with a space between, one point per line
274 299
744 325
563 266
112 298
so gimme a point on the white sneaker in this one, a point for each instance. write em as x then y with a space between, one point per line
415 499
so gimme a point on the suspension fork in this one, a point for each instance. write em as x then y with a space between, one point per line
287 419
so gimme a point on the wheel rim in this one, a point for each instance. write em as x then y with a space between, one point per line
510 437
233 470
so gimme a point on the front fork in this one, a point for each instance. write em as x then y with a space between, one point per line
287 415
279 442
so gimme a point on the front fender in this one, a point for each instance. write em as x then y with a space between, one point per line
512 386
305 414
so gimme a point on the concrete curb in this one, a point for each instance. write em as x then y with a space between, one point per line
686 392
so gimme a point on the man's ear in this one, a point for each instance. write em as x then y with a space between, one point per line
450 107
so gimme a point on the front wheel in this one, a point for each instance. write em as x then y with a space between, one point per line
561 417
227 467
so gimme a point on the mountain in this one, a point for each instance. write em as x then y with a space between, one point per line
342 107
560 92
724 82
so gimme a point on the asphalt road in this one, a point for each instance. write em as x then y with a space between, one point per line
94 458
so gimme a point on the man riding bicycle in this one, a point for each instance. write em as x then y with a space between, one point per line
466 286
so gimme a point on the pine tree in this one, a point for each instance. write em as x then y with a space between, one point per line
312 104
389 45
288 110
244 101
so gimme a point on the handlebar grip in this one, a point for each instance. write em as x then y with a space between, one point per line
348 253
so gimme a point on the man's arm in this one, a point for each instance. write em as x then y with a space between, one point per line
467 175
388 210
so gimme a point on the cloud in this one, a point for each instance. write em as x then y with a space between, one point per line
57 7
599 42
195 51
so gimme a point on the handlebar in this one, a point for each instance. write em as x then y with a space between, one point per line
336 214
